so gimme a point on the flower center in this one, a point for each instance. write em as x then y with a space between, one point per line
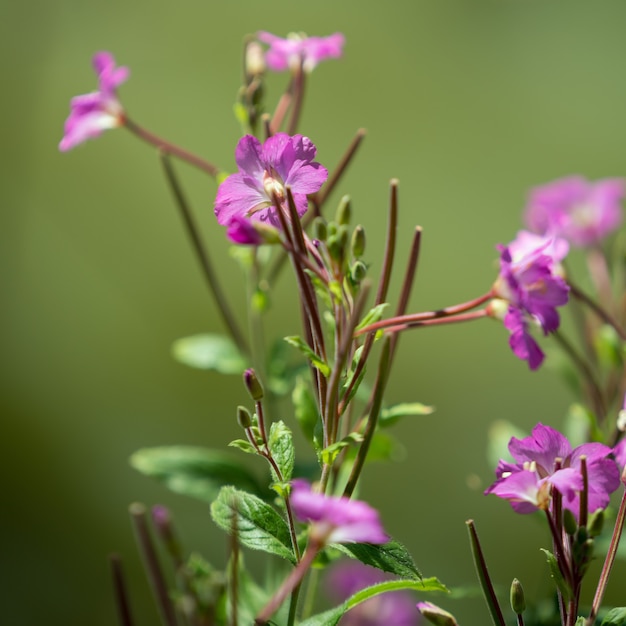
273 185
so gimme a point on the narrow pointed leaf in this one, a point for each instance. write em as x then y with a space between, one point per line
392 414
316 361
556 574
194 471
210 352
615 617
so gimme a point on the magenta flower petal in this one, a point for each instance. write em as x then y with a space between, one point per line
265 172
92 113
620 453
289 53
575 209
336 520
542 447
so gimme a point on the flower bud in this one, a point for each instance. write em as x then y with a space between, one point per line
596 523
518 602
244 419
358 271
358 242
344 211
569 522
320 230
253 385
255 60
436 615
337 244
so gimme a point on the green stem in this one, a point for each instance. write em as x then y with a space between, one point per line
170 148
610 559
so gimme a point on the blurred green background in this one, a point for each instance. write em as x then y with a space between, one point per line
468 102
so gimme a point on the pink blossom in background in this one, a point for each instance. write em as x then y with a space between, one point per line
530 284
265 171
526 483
577 210
94 112
295 49
335 519
394 608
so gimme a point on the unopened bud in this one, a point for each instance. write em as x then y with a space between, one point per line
253 385
358 271
436 615
344 211
569 522
518 602
596 523
358 242
320 230
244 419
337 244
255 60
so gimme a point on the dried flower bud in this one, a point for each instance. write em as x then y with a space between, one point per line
518 602
358 242
255 60
244 419
253 385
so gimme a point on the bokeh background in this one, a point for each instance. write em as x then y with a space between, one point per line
468 102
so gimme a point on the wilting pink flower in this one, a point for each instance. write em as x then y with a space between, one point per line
94 112
545 460
530 285
289 53
575 209
264 173
393 608
334 519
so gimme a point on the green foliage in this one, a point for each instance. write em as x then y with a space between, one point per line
315 360
281 447
329 454
244 445
210 352
305 411
373 315
609 347
392 414
556 574
194 471
615 617
332 616
391 557
256 524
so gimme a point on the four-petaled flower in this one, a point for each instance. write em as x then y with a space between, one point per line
94 112
545 460
529 283
297 48
265 171
335 519
575 209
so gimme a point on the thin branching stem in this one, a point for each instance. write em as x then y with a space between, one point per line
202 255
604 315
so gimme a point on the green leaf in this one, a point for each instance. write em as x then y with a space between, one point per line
316 361
390 557
392 414
609 347
193 471
281 446
332 616
615 617
244 445
329 454
555 572
305 410
210 352
373 315
257 524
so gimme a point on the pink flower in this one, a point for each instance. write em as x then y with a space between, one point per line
532 288
94 112
264 173
577 210
336 520
289 53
